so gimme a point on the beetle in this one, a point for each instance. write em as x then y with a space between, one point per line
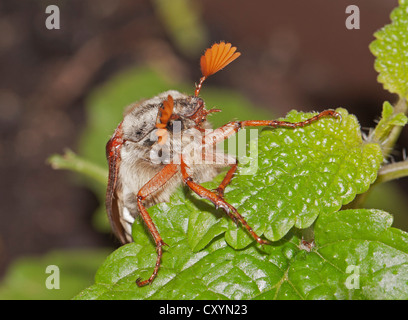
145 168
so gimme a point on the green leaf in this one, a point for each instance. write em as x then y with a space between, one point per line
391 51
298 175
288 269
379 250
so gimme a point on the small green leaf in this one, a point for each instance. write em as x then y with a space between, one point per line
389 119
391 51
388 115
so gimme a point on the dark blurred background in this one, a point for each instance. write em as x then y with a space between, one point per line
296 54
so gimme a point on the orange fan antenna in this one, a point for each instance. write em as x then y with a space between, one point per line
163 117
214 59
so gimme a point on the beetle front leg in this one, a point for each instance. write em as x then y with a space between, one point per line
150 187
227 130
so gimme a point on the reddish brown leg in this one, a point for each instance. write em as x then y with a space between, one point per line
218 201
276 123
223 133
231 128
220 189
225 162
227 179
150 187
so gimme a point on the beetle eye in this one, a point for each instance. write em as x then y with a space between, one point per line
175 126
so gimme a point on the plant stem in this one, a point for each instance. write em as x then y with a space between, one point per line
73 162
388 145
392 171
389 171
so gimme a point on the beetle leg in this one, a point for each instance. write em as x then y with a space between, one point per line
225 160
227 179
218 201
150 187
231 128
220 189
